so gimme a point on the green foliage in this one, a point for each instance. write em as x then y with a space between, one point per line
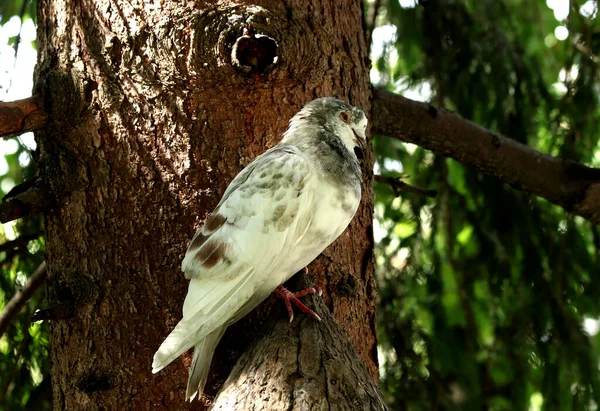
484 290
24 365
25 9
24 361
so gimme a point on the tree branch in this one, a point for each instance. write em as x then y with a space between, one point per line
398 185
568 184
19 242
305 365
17 302
21 116
26 199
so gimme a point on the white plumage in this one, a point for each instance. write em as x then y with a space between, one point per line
275 217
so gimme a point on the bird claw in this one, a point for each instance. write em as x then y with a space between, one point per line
289 297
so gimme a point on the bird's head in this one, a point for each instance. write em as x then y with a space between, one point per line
332 119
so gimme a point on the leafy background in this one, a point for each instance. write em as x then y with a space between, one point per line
24 362
488 296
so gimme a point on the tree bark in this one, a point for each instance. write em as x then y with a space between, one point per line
307 365
153 107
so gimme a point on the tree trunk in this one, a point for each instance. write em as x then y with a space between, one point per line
307 365
153 108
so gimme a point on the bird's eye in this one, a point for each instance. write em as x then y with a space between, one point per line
345 116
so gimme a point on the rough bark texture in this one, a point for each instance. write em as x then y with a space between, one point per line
150 119
308 365
568 184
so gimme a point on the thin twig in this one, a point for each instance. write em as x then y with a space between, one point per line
18 39
21 116
374 12
13 307
19 242
398 185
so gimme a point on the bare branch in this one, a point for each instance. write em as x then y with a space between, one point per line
398 185
17 117
19 242
24 200
15 304
568 184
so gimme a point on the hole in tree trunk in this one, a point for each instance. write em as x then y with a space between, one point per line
254 53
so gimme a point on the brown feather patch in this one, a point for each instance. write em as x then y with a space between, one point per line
210 254
215 257
213 223
198 241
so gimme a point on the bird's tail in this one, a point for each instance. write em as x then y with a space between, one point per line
203 352
207 307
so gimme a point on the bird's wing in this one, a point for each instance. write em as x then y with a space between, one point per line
262 205
260 217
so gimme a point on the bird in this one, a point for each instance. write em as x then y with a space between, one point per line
276 216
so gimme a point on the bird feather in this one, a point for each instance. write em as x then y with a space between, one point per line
274 218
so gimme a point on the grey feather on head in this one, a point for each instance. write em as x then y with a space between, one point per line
326 108
332 121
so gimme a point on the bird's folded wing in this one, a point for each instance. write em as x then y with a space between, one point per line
262 214
261 207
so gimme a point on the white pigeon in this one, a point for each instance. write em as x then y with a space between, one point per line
275 217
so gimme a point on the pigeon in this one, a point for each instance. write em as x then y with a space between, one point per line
277 215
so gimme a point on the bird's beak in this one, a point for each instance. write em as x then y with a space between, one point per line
361 139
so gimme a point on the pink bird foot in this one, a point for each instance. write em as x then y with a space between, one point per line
289 297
